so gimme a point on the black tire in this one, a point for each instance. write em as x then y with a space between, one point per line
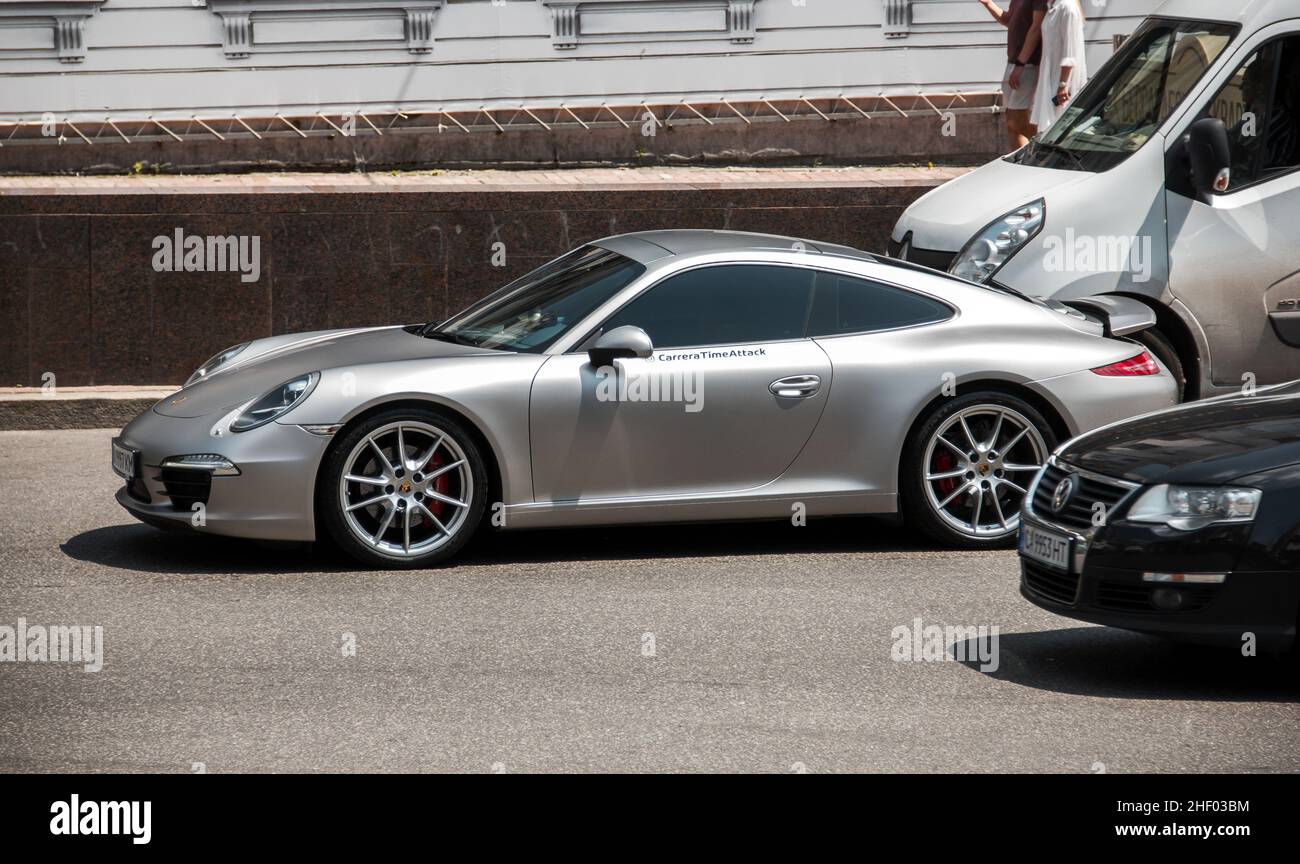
915 503
1156 342
329 497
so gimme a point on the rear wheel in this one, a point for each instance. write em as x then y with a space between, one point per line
406 488
967 470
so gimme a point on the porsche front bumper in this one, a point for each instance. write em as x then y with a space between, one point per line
270 498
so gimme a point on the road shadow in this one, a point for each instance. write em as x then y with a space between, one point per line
149 550
1103 661
695 540
140 547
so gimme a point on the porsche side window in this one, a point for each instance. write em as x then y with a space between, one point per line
1260 105
845 305
725 305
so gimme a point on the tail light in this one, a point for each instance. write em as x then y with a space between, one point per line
1142 364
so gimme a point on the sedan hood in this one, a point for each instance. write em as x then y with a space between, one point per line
946 218
267 363
1211 442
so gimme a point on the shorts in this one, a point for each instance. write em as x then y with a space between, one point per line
1022 98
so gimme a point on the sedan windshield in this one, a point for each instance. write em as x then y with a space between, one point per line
1132 96
535 310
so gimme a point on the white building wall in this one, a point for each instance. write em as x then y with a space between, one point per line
87 59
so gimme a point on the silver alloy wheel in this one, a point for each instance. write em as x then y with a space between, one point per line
407 489
978 467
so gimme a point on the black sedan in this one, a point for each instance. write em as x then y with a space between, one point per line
1184 523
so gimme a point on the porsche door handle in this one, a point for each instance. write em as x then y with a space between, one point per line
796 386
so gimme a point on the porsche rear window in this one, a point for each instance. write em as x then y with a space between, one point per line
846 305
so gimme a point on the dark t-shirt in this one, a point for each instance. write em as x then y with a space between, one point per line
1020 17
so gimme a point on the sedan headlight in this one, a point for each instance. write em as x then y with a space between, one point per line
985 254
214 363
276 403
1188 508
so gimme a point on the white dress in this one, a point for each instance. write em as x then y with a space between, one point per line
1062 46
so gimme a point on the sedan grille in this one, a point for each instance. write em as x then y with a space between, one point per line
1050 585
1090 491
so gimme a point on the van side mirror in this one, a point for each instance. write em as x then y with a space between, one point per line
625 341
1210 154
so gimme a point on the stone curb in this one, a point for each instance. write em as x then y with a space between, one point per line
91 408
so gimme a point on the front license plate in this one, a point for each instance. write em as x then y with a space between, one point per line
125 461
1045 547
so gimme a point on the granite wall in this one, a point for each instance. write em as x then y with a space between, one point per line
80 296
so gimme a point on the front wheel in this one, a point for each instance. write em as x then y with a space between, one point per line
403 489
967 470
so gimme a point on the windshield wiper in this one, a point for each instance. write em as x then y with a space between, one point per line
1057 148
454 338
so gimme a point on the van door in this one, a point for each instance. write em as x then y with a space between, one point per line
1235 263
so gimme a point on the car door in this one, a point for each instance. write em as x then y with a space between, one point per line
728 398
1235 262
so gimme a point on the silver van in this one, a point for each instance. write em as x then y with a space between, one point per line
1164 204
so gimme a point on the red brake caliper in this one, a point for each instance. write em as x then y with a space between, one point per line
943 461
440 485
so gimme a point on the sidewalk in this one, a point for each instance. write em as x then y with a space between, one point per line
108 407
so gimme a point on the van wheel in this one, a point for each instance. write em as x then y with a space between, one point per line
1155 342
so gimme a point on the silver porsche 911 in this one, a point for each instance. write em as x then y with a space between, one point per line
658 377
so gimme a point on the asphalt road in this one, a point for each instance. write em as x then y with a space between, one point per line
771 652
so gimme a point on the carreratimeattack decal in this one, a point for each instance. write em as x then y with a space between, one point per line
713 355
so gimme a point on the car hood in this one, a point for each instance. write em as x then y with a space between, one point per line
267 363
946 218
1210 442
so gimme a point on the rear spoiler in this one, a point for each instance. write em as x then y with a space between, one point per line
1121 316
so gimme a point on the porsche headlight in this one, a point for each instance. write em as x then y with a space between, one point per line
276 403
985 254
214 363
1187 508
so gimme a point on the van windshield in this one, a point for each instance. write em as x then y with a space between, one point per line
1132 96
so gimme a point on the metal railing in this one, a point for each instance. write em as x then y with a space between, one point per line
51 129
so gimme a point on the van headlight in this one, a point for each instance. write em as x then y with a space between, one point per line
1187 508
214 363
276 403
985 254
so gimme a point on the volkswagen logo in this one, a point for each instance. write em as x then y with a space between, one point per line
1064 492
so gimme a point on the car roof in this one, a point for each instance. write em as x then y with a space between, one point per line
1256 13
648 246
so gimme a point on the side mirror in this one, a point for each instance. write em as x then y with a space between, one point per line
625 341
1211 158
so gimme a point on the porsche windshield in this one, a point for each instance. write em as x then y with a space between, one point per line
1132 96
535 310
